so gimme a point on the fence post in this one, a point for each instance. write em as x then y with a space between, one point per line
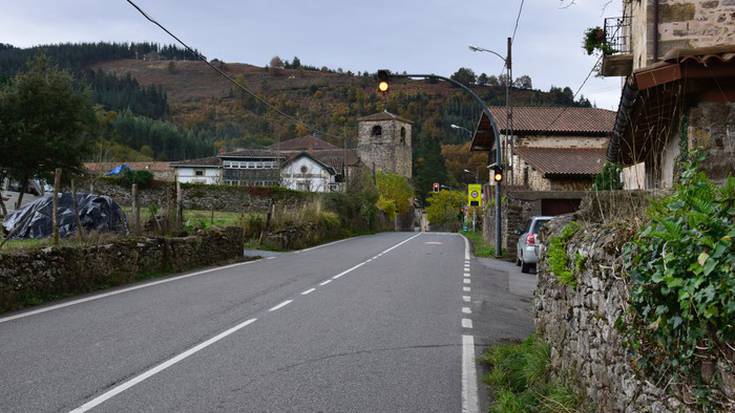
75 206
179 206
136 210
55 207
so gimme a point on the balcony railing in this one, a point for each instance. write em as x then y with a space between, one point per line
617 35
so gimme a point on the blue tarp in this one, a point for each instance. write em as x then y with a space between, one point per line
118 170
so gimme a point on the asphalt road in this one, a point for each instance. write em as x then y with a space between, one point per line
384 323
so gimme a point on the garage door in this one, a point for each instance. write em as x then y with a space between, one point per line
553 207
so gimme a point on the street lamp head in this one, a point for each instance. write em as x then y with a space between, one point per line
453 126
474 48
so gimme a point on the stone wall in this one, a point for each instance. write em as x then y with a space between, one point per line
579 323
203 197
712 129
61 271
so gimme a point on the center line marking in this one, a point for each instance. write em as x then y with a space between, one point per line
309 291
279 306
163 366
325 282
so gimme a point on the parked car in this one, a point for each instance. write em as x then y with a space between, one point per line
527 249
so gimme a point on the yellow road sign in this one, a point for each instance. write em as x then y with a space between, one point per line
474 195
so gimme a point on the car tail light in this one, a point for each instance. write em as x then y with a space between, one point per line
531 239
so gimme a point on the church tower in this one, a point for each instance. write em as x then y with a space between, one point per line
384 143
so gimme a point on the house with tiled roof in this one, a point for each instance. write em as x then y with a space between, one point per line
206 171
549 148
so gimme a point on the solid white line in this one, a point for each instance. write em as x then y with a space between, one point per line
325 245
163 366
467 281
466 323
325 282
466 248
467 289
309 291
466 310
466 298
116 292
279 306
469 376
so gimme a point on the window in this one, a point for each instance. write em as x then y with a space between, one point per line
377 131
199 172
259 165
304 169
403 136
227 164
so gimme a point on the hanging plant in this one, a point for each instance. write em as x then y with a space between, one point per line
594 39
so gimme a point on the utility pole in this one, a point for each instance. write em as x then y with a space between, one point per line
509 109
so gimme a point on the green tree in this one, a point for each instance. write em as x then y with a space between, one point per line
609 178
444 207
44 123
395 193
465 76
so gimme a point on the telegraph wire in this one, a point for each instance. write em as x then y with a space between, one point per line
518 19
229 78
579 89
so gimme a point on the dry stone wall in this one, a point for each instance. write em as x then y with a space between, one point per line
54 272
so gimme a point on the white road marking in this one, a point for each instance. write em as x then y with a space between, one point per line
309 291
467 274
469 376
325 282
433 243
466 310
155 370
466 298
279 306
116 292
271 258
466 248
467 281
466 323
324 245
467 289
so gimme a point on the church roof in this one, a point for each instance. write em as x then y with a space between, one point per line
304 143
382 116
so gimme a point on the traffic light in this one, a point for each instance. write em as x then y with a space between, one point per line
383 80
497 174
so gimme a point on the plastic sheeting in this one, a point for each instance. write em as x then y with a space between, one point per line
96 213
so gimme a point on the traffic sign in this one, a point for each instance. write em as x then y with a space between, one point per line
474 195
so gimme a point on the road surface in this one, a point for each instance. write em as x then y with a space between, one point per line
383 323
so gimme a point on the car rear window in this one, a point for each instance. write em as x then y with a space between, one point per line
537 225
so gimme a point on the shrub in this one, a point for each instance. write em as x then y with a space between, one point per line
682 294
557 257
444 207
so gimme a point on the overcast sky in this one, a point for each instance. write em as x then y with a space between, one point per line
358 35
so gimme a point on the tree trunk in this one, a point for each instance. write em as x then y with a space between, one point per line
23 186
3 209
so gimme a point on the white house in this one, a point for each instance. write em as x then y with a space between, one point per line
304 172
199 171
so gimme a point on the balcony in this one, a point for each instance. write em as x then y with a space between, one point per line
617 57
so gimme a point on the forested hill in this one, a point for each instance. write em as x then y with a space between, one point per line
165 83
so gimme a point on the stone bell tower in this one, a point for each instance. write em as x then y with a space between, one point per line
384 143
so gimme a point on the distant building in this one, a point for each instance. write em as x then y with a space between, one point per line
199 171
551 148
384 143
251 167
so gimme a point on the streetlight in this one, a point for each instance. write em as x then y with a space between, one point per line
476 175
508 60
386 75
453 126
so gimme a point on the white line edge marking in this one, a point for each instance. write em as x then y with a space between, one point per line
309 291
325 282
467 274
279 306
132 382
467 289
466 310
466 298
466 248
466 323
469 376
467 281
116 292
155 370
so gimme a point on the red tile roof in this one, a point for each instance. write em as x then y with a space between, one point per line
382 116
304 143
556 120
210 161
564 161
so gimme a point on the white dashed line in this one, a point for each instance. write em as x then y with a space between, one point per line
466 298
309 291
467 289
279 306
466 310
466 274
469 376
271 258
155 370
466 323
325 282
467 281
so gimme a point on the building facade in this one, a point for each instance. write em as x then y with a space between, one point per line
677 64
384 143
251 167
207 171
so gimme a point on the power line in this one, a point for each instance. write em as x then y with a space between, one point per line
579 89
518 19
229 78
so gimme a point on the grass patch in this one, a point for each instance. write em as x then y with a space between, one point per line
558 258
480 247
520 380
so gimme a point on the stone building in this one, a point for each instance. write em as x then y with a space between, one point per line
384 143
677 61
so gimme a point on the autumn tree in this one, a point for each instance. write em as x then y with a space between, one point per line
457 158
444 207
395 193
